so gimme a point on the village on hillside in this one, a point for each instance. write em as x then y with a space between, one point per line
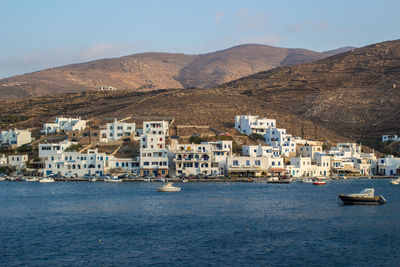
75 148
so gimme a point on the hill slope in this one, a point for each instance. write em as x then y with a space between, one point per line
151 71
355 93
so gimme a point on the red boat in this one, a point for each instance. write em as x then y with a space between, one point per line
319 182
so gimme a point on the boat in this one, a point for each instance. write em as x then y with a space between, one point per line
2 178
307 180
168 187
319 182
93 179
46 180
184 180
280 180
33 179
162 180
396 181
366 197
113 180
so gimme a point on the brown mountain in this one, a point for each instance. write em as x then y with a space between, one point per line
356 93
151 71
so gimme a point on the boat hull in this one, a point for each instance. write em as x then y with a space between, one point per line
168 189
351 200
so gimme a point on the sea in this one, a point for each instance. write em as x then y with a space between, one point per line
205 224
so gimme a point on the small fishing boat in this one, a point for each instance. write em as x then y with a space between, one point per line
365 197
168 187
47 180
113 180
307 180
33 179
319 182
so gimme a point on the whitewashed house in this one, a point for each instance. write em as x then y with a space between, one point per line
247 166
278 138
390 137
46 149
154 155
194 159
15 138
306 167
249 124
260 151
18 160
90 162
389 166
64 124
3 160
117 130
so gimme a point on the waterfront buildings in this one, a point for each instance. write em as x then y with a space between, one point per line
15 138
389 165
91 162
64 124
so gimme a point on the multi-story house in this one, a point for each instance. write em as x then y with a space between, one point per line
64 124
15 138
248 124
153 149
388 166
90 162
117 130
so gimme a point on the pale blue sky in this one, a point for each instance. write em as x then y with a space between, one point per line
41 34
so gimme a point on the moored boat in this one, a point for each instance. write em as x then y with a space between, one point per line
319 182
46 180
366 197
33 179
168 187
396 181
113 180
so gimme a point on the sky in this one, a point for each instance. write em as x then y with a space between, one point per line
40 34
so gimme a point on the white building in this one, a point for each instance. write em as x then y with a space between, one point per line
247 166
389 166
15 138
47 149
3 160
390 137
260 151
278 138
153 149
207 158
306 167
117 130
91 162
64 124
18 161
156 128
248 124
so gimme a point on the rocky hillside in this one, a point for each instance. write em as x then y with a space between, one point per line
356 93
152 71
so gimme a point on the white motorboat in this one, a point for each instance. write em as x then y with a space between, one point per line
33 179
168 187
366 196
396 181
47 180
308 180
113 180
2 178
93 179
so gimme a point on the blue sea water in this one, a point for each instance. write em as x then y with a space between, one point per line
213 224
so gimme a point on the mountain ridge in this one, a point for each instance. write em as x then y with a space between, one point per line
155 70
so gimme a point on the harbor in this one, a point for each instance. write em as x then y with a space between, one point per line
250 223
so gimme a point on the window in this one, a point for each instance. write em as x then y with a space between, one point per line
235 163
257 162
247 162
146 163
